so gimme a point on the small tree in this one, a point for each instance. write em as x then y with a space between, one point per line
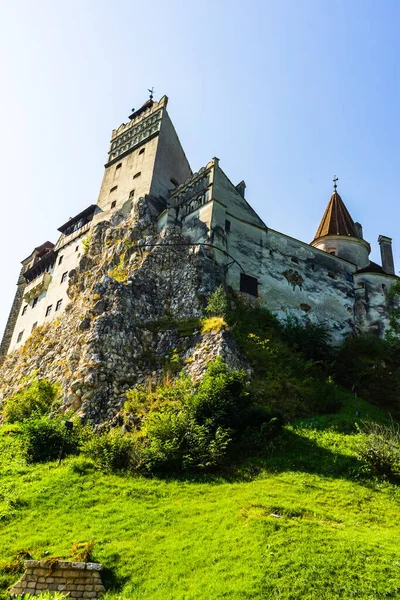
217 304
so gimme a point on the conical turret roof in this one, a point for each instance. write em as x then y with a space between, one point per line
336 219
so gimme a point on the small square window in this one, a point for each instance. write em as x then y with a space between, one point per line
349 277
60 260
34 326
48 310
227 225
131 193
118 166
64 277
35 301
77 248
361 284
137 175
24 309
58 305
19 338
294 259
141 151
113 204
331 275
248 284
113 189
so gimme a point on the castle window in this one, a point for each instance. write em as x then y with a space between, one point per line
131 193
383 286
48 310
331 275
118 166
313 267
77 248
60 260
19 338
35 301
113 189
248 284
349 277
138 174
227 225
34 326
294 259
64 277
141 151
24 309
113 204
58 305
174 182
361 284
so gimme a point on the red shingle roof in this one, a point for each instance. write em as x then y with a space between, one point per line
336 219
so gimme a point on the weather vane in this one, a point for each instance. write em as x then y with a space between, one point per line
151 92
335 179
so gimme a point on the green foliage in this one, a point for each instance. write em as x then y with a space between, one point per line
217 304
370 367
36 398
287 380
86 242
112 450
380 449
312 340
43 437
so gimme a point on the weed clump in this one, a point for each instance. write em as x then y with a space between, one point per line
36 398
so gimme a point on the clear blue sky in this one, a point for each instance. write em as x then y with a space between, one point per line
286 93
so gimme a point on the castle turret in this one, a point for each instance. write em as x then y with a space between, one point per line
338 234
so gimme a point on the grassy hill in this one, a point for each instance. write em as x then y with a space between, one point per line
306 522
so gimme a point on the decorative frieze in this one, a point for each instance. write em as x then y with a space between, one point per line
135 135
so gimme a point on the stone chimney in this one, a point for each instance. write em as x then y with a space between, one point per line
241 188
386 254
359 230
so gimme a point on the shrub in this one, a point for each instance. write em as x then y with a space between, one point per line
309 338
43 438
37 398
214 324
217 305
112 450
380 449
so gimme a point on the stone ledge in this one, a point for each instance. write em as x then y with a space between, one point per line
79 580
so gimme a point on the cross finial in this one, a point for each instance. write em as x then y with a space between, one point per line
151 93
335 179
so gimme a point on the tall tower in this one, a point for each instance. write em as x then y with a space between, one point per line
338 234
145 157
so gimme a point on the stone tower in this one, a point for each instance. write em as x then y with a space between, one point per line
339 235
145 158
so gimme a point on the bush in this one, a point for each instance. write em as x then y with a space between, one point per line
37 397
43 438
312 340
380 449
112 450
217 305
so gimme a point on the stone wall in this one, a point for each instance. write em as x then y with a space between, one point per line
120 328
13 316
77 579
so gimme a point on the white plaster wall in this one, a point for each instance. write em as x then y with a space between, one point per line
56 291
372 302
352 249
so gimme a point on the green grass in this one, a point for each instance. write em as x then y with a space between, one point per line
305 523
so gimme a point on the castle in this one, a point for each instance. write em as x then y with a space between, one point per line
330 281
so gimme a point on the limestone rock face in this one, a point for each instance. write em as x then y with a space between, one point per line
131 288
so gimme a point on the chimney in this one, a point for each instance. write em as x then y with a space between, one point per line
241 188
386 254
359 230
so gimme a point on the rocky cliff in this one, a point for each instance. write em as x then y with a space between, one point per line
134 302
